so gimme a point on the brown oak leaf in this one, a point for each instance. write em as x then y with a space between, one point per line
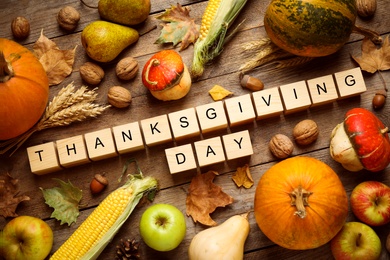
243 177
178 27
10 196
57 63
374 58
204 197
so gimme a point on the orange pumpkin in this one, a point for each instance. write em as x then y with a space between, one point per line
24 89
300 203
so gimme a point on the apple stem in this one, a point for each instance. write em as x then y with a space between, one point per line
299 197
358 239
153 62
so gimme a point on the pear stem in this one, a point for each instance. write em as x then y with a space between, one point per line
87 5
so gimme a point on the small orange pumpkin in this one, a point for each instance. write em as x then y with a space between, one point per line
300 203
24 89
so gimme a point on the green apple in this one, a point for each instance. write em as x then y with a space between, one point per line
162 227
26 237
356 240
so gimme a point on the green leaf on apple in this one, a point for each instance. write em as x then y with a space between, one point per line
65 201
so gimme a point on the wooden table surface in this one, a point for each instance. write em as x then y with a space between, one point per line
223 71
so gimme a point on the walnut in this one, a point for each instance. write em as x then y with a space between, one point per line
366 8
305 132
119 97
281 146
20 27
91 73
127 68
68 18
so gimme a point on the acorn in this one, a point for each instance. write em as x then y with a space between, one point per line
98 183
379 99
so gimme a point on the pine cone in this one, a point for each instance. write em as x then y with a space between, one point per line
128 249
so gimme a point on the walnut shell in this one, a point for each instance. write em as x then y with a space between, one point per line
366 8
91 73
127 68
305 132
20 27
281 146
119 97
68 18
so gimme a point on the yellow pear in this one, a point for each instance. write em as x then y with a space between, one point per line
103 41
128 12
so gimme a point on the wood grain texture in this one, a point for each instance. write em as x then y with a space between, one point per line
224 71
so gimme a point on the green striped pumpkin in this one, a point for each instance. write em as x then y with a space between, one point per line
310 28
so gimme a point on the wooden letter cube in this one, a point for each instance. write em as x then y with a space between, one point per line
43 158
100 144
209 151
72 151
156 130
180 158
322 90
240 110
184 123
237 145
212 117
267 103
295 97
350 82
128 138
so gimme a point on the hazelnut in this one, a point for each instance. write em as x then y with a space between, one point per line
20 27
281 146
119 97
365 8
91 73
252 83
305 132
127 68
68 18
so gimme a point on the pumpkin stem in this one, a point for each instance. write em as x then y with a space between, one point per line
153 62
385 130
6 71
372 35
299 197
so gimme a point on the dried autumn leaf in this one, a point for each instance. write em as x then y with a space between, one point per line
373 58
10 196
65 201
178 27
204 197
243 177
219 93
57 63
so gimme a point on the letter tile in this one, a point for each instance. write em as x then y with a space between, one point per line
237 145
295 97
209 151
180 158
267 103
72 151
184 123
322 90
350 82
156 130
212 117
43 158
100 144
240 110
128 138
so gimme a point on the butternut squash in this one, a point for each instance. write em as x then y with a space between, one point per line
225 241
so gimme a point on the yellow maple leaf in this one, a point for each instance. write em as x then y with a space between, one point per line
243 177
219 93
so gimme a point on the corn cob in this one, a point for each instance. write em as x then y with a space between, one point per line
93 235
216 20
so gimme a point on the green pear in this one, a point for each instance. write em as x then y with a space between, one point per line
103 41
128 12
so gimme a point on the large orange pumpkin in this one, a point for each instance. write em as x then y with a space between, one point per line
24 89
300 203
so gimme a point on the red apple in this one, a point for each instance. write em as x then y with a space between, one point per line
370 202
356 241
26 237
